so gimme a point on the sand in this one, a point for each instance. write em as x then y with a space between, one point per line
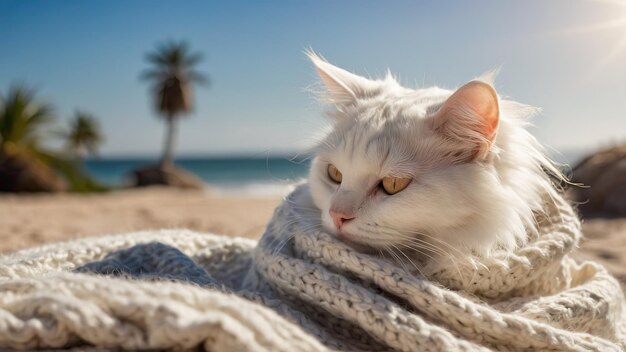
32 220
605 242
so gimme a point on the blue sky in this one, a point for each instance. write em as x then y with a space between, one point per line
562 55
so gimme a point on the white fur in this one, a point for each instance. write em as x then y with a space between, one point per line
474 205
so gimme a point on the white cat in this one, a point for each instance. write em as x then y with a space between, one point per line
425 170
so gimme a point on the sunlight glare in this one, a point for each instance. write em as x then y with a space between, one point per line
613 25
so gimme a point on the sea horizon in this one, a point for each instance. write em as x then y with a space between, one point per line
226 174
234 174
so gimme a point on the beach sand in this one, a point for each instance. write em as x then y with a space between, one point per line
32 220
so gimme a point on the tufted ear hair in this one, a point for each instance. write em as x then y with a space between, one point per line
342 87
470 116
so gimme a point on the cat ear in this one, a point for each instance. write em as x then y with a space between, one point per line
342 87
470 115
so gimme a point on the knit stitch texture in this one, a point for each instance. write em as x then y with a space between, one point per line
299 289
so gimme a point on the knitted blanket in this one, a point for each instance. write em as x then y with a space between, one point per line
299 289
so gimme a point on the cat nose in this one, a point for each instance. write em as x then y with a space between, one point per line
340 217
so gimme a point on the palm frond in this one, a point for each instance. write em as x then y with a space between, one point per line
84 135
72 172
172 75
192 59
197 77
22 117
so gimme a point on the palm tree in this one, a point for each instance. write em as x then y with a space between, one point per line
26 165
172 75
84 136
22 119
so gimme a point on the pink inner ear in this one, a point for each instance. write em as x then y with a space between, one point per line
482 99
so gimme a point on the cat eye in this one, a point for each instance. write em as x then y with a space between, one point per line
334 174
393 185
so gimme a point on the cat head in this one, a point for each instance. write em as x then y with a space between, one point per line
420 167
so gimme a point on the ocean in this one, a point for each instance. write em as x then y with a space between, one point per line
230 175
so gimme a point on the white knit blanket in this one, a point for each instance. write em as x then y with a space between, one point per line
299 289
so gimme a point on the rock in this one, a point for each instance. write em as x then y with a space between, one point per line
604 177
166 175
22 173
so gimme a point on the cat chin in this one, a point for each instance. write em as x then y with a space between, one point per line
358 246
352 241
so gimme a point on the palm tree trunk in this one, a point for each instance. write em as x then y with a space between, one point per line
170 134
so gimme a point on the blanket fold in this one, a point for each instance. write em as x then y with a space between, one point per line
298 288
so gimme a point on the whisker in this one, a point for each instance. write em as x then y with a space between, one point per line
409 259
432 248
284 241
397 258
410 239
439 241
418 250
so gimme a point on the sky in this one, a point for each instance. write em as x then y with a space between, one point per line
566 56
